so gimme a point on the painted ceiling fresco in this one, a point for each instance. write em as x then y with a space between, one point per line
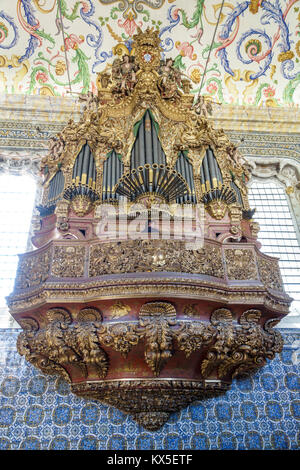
254 59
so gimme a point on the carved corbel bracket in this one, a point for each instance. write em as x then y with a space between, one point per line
62 211
155 322
82 349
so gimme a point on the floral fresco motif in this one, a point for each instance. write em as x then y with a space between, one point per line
56 47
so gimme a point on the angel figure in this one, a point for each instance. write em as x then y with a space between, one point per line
124 74
236 155
128 71
203 106
70 131
170 79
91 101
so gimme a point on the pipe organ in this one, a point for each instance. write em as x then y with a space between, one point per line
112 172
129 310
84 176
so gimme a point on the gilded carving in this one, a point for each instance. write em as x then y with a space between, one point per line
149 402
136 81
59 315
193 336
217 209
33 270
81 205
89 314
225 348
155 322
255 228
33 352
247 352
68 261
272 338
235 212
190 310
61 211
139 255
84 340
140 348
173 285
119 309
240 264
206 260
221 319
62 342
269 273
119 336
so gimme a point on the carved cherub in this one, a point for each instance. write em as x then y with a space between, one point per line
128 69
56 147
116 68
70 131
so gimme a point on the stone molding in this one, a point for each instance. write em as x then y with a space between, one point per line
284 170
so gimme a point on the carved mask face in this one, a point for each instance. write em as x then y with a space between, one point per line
81 205
217 209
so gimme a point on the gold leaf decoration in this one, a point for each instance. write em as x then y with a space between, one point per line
190 310
119 309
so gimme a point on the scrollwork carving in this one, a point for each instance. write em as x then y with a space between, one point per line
240 264
33 270
84 340
224 347
193 336
63 342
89 314
155 322
119 336
272 338
139 255
68 261
221 319
247 350
269 273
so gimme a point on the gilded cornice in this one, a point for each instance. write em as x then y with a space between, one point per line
104 270
27 123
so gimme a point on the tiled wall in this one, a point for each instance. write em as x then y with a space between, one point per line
39 412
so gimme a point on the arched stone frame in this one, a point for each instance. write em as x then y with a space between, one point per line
287 173
21 163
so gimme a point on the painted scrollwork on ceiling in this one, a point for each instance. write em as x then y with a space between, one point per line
254 61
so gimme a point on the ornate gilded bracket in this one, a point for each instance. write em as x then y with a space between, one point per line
84 347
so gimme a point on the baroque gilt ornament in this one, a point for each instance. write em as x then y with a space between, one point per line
147 289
